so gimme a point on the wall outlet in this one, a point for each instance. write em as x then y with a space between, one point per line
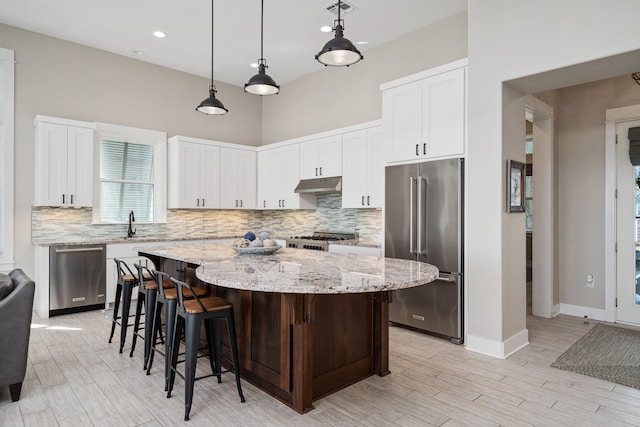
590 282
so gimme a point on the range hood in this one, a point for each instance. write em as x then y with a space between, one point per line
320 185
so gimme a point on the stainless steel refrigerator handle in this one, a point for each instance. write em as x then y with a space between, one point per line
420 218
411 215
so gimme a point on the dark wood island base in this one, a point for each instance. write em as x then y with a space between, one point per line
308 324
301 347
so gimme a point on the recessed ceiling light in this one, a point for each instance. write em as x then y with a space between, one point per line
254 65
160 34
138 52
326 29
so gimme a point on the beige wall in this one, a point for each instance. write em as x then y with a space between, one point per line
62 79
335 97
529 40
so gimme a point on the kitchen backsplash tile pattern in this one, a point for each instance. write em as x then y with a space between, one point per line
72 225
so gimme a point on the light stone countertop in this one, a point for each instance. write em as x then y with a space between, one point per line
298 270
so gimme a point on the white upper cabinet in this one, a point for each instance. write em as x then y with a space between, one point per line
278 176
237 178
194 174
363 168
425 118
63 163
321 157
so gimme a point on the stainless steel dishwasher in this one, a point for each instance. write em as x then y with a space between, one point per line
77 278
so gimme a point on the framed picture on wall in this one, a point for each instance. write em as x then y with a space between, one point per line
515 186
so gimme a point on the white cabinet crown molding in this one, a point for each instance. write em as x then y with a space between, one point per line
332 132
221 144
461 63
60 121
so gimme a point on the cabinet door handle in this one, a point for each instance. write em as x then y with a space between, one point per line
320 170
63 199
203 203
236 203
279 203
368 200
197 203
424 148
283 203
264 203
417 152
316 171
71 197
240 202
362 202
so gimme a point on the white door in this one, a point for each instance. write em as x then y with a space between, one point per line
627 223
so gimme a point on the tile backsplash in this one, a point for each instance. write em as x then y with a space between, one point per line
63 224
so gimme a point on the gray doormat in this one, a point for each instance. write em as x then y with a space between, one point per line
606 352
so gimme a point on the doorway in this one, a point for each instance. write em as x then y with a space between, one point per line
627 226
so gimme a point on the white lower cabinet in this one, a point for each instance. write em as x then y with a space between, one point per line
363 168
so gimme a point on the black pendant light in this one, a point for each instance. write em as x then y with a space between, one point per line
339 52
262 83
211 105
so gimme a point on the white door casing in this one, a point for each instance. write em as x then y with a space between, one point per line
627 310
613 117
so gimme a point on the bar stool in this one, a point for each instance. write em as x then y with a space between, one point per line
147 295
190 315
124 289
167 297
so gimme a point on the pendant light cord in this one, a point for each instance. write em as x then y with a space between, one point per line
262 30
212 42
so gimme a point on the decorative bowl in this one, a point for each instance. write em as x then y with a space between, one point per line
264 250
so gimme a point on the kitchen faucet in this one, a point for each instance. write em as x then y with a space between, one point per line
130 230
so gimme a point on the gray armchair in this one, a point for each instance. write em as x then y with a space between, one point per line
15 327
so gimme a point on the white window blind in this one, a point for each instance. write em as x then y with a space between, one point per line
127 181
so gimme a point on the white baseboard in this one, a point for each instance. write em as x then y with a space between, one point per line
579 311
555 310
498 349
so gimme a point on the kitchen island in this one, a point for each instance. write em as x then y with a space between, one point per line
308 323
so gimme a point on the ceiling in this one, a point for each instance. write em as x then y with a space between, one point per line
292 34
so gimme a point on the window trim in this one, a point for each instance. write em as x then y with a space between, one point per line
133 135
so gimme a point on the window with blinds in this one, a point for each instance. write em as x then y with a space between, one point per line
127 181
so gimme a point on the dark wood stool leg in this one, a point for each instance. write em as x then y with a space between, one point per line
231 327
115 310
191 339
127 290
136 324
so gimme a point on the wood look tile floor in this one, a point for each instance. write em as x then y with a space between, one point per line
75 378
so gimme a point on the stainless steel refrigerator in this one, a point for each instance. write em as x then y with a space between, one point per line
424 221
